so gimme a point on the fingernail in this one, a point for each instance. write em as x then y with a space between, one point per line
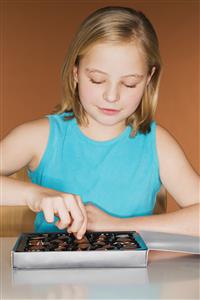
50 221
79 236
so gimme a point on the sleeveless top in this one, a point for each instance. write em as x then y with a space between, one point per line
119 176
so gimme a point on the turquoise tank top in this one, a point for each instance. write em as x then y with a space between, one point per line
119 176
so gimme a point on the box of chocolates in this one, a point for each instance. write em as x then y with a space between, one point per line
95 249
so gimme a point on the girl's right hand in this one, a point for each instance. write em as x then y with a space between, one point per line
68 207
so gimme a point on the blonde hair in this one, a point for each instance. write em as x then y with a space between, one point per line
116 25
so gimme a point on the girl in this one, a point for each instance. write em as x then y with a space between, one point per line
98 162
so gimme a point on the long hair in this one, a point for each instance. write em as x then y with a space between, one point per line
116 25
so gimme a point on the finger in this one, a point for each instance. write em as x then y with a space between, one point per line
34 206
76 213
47 208
64 217
89 207
82 230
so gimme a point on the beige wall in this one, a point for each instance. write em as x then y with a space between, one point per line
35 37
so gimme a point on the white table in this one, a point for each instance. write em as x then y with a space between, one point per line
168 276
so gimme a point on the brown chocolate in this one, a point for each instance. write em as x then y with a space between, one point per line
83 246
92 241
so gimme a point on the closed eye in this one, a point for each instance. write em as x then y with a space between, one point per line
130 86
96 82
99 82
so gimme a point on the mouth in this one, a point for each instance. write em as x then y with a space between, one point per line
109 111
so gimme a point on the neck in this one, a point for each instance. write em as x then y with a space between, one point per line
101 132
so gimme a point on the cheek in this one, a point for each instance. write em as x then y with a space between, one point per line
87 92
133 98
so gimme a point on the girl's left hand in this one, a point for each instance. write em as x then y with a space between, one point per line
98 220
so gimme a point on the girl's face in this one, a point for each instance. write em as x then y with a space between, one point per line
111 81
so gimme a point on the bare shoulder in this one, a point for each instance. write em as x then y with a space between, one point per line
169 149
42 123
176 172
31 132
24 145
38 131
164 137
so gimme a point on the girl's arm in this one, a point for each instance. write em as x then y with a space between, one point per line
180 180
176 173
24 146
183 221
19 149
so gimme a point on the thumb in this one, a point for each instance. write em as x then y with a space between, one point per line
89 204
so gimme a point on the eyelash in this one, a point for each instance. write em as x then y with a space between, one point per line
128 86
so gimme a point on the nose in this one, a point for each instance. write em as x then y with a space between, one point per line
111 94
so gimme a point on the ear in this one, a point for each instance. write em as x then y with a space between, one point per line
75 74
150 76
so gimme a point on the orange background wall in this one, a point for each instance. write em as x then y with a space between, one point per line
36 34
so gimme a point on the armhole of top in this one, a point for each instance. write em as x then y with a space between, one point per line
46 152
155 151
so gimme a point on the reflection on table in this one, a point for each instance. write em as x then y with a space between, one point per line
168 275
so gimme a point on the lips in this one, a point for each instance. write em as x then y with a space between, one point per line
109 111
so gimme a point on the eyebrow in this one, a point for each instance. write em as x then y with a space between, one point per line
104 73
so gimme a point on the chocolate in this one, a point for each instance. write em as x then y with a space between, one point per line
83 246
126 247
36 248
91 241
63 250
100 243
38 238
60 248
35 243
84 240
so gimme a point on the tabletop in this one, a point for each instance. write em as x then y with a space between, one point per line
168 276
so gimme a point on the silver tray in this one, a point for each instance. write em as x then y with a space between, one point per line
120 254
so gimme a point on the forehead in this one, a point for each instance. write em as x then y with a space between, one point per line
120 58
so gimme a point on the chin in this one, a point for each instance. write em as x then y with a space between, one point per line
109 121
